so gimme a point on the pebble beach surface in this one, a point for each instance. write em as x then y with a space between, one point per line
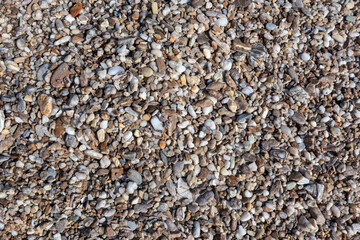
180 119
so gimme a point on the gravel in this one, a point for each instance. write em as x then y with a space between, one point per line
189 119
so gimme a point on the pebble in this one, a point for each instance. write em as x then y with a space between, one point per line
131 187
132 225
71 141
61 225
196 229
243 117
46 104
93 154
147 72
73 101
42 71
21 43
115 70
105 162
305 56
62 40
59 77
270 26
223 22
299 118
12 66
135 176
205 198
246 216
247 91
2 120
157 124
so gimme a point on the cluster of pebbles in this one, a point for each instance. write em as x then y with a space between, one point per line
188 119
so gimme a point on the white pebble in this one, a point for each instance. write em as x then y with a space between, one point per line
131 187
62 40
305 57
156 123
115 70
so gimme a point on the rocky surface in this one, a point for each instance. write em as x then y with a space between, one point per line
181 119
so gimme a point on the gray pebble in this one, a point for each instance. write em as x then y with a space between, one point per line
205 198
42 71
61 225
243 117
71 141
196 229
135 176
270 26
115 70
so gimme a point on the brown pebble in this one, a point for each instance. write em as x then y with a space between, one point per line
58 77
45 104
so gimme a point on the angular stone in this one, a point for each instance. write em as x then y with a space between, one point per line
61 225
45 103
161 64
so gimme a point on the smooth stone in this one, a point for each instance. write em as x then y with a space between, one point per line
73 101
20 43
62 40
157 124
42 71
93 154
147 72
61 225
243 117
196 229
205 198
248 91
105 162
131 187
305 56
132 225
246 216
2 120
115 70
135 176
223 22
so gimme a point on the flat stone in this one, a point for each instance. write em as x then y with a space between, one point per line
58 77
116 70
197 3
243 117
61 225
161 64
299 118
205 199
2 120
93 154
196 229
62 40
